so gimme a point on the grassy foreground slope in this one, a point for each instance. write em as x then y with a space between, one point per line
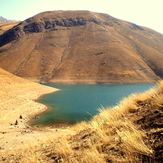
131 132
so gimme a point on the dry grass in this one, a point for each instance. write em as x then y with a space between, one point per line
128 133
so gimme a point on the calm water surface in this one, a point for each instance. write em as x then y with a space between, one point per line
75 103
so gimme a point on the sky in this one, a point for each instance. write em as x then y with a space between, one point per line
148 13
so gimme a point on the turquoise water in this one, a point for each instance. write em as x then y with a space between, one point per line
75 103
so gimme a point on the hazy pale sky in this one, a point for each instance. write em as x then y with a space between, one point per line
147 13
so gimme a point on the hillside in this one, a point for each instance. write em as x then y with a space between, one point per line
131 132
82 47
4 26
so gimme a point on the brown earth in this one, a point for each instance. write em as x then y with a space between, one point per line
17 97
82 47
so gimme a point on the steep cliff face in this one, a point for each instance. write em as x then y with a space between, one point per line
82 46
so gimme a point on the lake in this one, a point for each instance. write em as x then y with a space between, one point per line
75 103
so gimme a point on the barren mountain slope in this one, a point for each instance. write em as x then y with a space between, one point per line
4 26
82 46
12 84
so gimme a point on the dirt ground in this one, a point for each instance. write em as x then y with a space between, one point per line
17 103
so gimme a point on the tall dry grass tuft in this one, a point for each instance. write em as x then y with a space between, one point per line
118 136
160 86
92 156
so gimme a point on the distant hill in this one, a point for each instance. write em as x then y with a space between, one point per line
4 26
82 47
2 19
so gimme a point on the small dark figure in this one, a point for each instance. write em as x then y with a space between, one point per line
16 123
21 117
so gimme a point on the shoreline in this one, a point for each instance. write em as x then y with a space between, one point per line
18 98
96 81
37 112
41 124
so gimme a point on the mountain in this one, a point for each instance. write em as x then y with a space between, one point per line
4 26
2 19
82 47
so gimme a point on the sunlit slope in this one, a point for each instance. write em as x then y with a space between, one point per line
82 46
16 98
10 83
4 26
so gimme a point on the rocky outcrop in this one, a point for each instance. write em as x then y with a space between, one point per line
39 26
82 46
70 22
11 34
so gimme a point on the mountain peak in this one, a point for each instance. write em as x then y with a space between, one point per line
82 46
2 19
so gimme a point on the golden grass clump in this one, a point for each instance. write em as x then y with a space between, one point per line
117 133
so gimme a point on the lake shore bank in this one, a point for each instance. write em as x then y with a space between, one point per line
16 111
80 102
95 81
17 106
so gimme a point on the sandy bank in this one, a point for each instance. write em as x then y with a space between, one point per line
16 98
